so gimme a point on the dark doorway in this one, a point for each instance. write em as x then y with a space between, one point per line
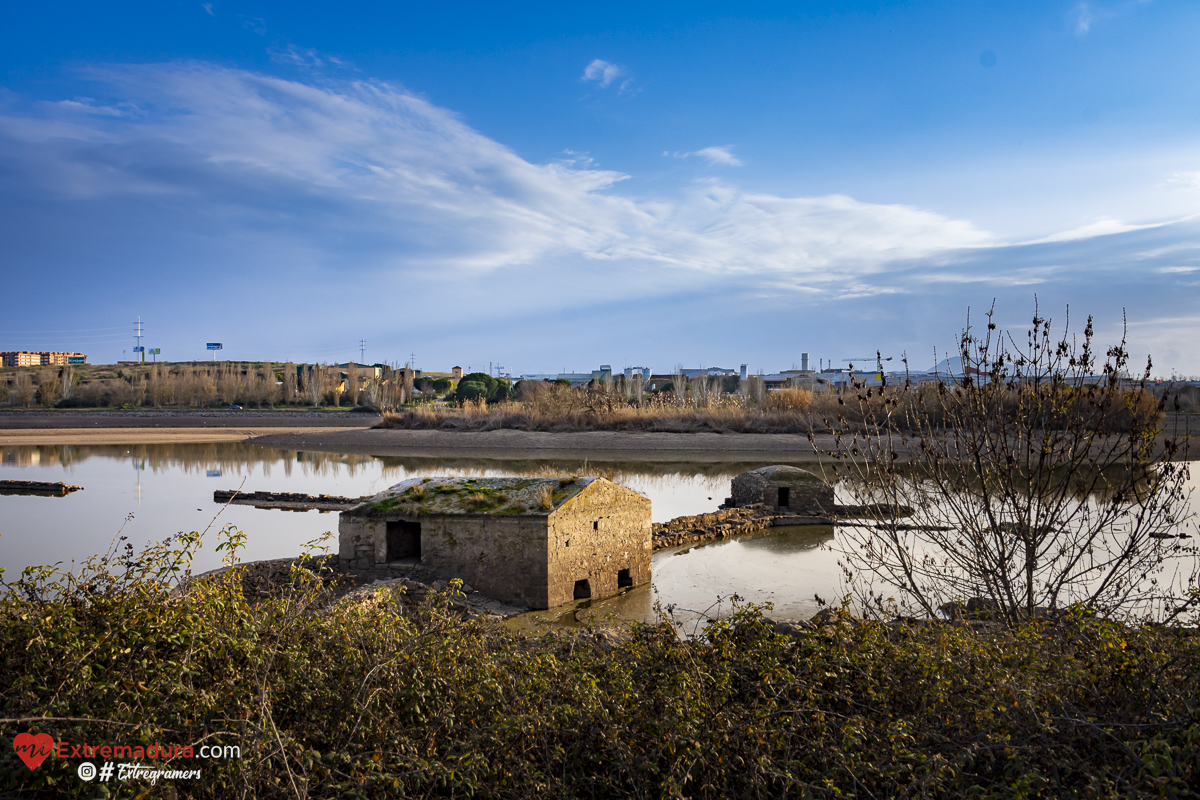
583 590
403 540
784 500
623 579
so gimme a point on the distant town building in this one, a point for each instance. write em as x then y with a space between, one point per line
456 373
25 358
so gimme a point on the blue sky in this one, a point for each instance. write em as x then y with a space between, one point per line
555 186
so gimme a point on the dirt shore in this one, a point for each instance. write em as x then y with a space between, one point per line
154 426
529 444
351 432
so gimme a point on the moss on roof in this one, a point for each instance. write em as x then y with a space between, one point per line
781 473
499 496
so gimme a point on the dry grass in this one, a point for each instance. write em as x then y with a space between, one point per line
552 408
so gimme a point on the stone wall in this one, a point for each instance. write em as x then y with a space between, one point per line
807 494
595 535
716 525
504 558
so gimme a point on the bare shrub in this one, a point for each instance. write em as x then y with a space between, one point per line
1033 486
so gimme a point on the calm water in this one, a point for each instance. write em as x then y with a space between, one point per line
148 492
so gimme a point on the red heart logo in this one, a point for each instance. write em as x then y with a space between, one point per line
33 749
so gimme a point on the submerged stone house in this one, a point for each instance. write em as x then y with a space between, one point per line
789 490
537 542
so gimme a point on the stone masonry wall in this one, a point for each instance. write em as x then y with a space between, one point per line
752 488
592 536
504 558
501 557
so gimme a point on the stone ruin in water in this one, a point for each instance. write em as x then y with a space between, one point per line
536 542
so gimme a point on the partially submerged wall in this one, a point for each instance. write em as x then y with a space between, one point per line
596 542
783 488
602 536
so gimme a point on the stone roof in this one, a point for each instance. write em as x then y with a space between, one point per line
497 496
781 473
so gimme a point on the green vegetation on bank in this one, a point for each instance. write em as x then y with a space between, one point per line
369 697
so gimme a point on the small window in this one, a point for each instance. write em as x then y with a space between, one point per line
583 589
623 579
596 525
403 540
784 501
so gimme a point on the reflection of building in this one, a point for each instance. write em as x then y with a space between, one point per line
538 542
25 358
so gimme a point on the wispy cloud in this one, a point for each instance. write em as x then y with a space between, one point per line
717 154
1102 227
208 7
1188 181
1083 18
604 73
330 186
446 194
302 57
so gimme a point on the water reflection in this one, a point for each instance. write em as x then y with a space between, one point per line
168 488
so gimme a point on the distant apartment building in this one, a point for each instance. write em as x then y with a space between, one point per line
25 358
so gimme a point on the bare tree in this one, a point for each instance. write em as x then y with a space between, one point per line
49 387
315 381
1038 477
23 389
352 382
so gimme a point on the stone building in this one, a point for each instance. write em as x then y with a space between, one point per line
789 490
537 542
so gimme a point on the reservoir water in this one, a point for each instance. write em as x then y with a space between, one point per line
149 492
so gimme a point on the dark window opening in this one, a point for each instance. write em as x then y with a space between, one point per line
623 579
596 525
783 497
403 540
583 589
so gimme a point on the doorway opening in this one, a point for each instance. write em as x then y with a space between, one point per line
403 540
583 589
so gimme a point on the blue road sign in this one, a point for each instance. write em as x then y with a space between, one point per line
213 345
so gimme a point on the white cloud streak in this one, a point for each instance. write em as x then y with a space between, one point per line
602 72
451 197
717 154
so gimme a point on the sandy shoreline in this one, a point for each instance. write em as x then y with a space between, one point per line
350 432
532 444
99 436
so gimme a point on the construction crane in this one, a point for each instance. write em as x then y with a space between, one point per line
878 361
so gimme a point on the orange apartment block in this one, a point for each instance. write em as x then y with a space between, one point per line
25 358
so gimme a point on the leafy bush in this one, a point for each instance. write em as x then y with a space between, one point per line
372 697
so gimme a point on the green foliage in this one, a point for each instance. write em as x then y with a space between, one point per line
377 698
479 385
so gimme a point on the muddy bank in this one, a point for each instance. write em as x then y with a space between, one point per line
164 426
608 445
29 419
